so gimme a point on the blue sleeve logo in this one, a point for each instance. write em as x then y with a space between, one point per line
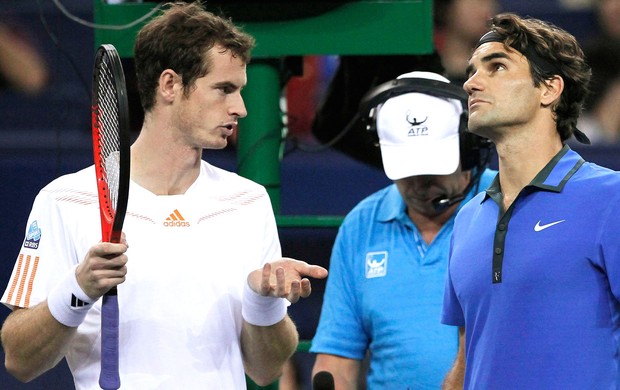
33 236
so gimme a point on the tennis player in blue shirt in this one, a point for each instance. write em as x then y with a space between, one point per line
387 268
534 272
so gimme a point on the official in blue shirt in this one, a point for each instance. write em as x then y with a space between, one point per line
534 273
385 286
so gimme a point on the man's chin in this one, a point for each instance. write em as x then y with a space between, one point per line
479 129
426 208
217 145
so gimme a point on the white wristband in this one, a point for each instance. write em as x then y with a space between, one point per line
262 311
68 303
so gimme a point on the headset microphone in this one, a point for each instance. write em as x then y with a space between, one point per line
441 203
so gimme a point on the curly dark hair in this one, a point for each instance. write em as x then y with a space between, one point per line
555 46
179 39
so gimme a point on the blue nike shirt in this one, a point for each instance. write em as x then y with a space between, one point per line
538 287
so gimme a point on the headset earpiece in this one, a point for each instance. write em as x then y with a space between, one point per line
370 119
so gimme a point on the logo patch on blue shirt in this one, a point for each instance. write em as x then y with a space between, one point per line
376 264
33 236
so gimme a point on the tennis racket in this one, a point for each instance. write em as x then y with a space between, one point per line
110 125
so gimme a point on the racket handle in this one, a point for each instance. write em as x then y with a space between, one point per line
109 378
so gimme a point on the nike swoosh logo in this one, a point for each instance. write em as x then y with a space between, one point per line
540 227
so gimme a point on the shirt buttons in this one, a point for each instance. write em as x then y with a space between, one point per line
498 251
501 226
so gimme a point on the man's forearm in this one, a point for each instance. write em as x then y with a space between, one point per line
266 349
455 379
33 341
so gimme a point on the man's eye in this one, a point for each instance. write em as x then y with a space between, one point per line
226 89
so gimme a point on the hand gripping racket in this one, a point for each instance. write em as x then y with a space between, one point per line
110 125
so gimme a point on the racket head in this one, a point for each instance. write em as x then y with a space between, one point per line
111 140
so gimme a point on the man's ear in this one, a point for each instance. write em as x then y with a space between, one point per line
551 90
168 79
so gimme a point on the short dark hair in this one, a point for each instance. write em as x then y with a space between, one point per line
555 46
179 39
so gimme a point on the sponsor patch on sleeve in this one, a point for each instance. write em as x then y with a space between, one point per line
33 237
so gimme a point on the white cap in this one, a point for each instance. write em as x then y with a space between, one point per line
419 133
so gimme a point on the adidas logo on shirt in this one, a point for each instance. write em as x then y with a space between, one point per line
176 220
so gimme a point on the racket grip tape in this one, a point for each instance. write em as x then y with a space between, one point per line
109 378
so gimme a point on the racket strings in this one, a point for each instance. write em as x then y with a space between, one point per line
107 112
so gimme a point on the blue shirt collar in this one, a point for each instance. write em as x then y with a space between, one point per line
392 206
552 177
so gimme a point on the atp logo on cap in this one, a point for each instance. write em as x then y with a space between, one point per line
416 129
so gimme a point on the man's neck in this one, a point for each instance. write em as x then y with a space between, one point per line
520 160
429 226
162 167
